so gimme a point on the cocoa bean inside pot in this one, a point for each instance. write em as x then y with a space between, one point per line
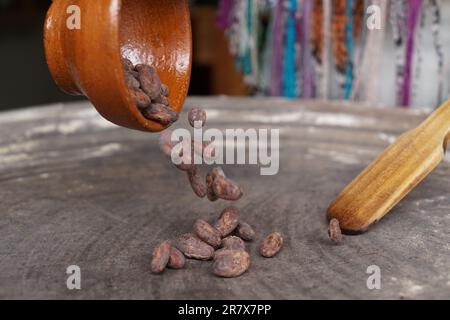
149 94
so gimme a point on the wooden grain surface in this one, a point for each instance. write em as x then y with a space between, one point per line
76 190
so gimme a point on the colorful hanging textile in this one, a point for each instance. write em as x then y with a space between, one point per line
435 8
411 23
289 67
306 67
295 48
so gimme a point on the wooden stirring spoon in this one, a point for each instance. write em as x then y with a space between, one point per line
393 174
87 61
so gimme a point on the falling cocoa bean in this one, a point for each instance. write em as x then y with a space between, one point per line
160 257
160 113
193 247
334 231
176 259
245 231
165 142
210 177
271 245
197 182
231 263
227 189
227 221
149 79
207 233
233 242
196 114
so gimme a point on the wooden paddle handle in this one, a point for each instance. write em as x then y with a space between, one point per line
393 174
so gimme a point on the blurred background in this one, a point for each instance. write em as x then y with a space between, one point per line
25 79
257 47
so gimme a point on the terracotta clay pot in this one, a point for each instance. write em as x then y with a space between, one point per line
87 61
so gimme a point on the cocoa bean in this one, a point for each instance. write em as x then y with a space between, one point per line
193 247
271 245
227 221
245 231
334 231
165 142
176 259
160 257
149 79
196 114
210 177
197 182
233 242
132 82
141 100
127 64
160 113
162 100
165 90
227 189
207 233
231 263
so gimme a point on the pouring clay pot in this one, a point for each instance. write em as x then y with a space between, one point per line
87 61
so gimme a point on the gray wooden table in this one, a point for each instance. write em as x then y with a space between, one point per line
76 190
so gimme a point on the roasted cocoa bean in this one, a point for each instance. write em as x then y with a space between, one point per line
197 182
176 260
245 231
160 113
194 248
149 79
227 221
164 90
127 64
334 231
165 142
210 177
162 100
132 82
231 263
207 233
141 100
227 189
196 114
271 245
160 257
233 242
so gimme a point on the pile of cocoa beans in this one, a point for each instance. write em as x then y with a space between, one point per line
223 242
150 96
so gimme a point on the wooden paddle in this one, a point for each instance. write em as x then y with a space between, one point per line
393 174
